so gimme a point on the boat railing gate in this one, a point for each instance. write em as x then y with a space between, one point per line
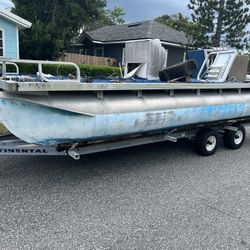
40 65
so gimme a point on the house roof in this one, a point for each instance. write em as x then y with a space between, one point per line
136 31
22 23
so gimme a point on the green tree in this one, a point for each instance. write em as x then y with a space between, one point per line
55 22
224 20
237 18
107 17
116 15
192 29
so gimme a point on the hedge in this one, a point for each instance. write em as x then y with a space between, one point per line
86 70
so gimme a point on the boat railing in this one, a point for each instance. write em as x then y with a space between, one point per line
40 64
12 64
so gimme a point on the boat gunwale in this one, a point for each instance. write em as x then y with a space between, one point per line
115 86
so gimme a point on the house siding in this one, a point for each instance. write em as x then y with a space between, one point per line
110 50
114 51
10 38
175 55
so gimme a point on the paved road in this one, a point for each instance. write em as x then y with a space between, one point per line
155 197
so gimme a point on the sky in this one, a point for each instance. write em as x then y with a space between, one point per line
4 4
139 10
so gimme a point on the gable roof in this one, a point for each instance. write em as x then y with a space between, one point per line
20 22
136 31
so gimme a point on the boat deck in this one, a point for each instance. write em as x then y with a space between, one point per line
12 86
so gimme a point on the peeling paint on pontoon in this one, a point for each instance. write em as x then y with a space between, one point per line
38 124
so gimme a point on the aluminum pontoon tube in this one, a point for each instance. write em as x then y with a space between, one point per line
69 117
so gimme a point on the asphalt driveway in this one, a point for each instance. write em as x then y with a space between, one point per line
160 196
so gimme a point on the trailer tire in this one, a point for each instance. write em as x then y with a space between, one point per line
235 139
207 142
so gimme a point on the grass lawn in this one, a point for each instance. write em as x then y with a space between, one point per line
3 130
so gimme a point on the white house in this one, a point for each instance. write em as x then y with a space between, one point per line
10 24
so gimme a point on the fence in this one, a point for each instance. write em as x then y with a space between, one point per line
84 59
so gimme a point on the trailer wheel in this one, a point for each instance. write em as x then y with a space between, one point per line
207 142
235 139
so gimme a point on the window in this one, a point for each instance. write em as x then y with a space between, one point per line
1 43
99 52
